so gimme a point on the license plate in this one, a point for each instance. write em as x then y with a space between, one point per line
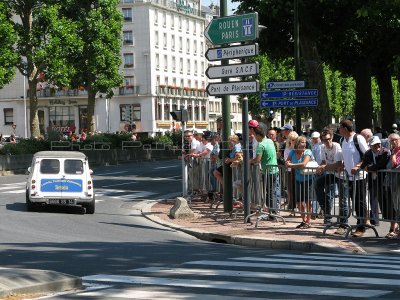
62 201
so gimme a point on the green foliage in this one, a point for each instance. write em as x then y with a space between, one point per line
8 56
27 146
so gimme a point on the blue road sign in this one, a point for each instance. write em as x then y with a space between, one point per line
288 94
289 103
290 84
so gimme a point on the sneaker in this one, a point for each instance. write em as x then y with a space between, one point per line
340 231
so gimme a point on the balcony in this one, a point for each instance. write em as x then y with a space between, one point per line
129 90
65 92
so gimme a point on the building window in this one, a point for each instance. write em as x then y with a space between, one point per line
164 19
173 64
201 49
173 42
127 1
187 25
188 66
8 116
172 22
165 42
62 118
181 65
166 111
159 110
165 63
129 81
180 44
195 47
180 23
197 113
128 38
157 39
157 61
203 112
128 60
195 28
127 13
187 46
130 113
156 17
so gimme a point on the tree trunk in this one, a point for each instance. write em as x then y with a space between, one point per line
90 110
388 114
321 115
363 105
33 109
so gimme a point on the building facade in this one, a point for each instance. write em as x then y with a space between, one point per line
163 64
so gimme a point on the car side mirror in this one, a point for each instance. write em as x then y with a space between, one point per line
29 169
90 171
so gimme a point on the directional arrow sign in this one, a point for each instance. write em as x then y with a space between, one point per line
235 70
232 52
289 103
233 88
288 94
232 29
290 84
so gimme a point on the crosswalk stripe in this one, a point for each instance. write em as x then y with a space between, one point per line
348 263
299 265
390 261
252 274
159 295
248 286
14 192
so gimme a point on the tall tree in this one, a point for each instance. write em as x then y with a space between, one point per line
43 38
97 63
8 57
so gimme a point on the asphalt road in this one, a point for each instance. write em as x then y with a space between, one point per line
121 255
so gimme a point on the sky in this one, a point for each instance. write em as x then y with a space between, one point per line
217 2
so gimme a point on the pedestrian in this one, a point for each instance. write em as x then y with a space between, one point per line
392 183
355 185
266 157
326 183
367 134
298 159
375 159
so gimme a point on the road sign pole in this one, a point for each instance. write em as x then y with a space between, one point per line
226 130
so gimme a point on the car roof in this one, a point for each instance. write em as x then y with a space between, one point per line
60 154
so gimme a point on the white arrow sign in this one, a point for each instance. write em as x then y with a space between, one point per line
232 52
233 88
290 84
235 70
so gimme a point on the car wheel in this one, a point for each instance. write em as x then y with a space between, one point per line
90 207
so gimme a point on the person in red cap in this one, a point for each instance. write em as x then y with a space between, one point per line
252 137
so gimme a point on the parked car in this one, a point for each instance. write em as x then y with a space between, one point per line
60 178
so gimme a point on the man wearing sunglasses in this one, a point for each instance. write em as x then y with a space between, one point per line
325 184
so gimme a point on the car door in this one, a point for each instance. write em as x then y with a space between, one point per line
50 178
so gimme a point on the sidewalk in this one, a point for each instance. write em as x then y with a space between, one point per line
215 225
22 281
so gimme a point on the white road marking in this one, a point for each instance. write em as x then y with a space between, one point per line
125 183
235 286
299 265
263 274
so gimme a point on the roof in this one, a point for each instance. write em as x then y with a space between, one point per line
64 154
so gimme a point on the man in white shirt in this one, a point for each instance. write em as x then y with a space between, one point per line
325 184
351 156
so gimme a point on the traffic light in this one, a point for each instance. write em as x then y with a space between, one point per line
180 115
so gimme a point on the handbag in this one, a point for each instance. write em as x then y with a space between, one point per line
310 168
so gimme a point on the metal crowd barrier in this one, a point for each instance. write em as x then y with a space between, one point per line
369 199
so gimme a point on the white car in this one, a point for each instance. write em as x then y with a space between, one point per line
60 178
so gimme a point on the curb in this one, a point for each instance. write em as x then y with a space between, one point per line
20 281
248 241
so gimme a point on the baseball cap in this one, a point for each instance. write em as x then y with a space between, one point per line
394 125
253 123
374 140
315 134
287 127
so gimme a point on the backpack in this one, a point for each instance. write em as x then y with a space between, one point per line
355 140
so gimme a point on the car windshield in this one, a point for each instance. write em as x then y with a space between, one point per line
49 166
73 166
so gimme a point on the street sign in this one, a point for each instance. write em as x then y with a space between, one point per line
288 94
290 84
233 88
235 70
289 103
232 52
233 29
